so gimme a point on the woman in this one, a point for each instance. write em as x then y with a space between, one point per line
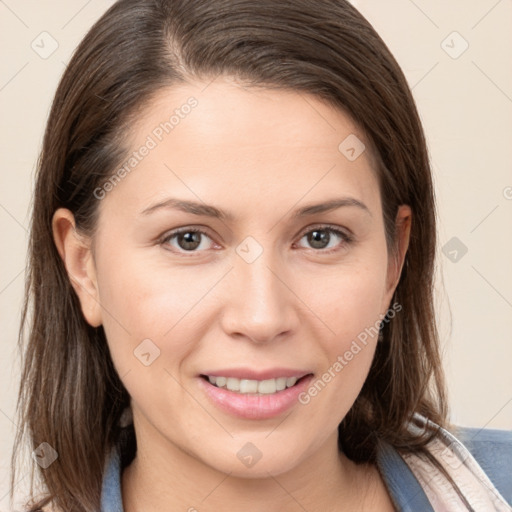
232 256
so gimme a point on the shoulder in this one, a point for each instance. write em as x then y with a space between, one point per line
459 465
479 438
492 449
485 442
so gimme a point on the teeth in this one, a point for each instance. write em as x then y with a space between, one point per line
247 386
233 384
281 383
290 381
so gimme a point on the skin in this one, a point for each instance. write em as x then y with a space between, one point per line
260 155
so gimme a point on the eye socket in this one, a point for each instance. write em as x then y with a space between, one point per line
188 240
191 238
312 236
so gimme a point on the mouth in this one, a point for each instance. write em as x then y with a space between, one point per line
253 387
254 395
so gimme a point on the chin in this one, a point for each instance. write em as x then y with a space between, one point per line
254 460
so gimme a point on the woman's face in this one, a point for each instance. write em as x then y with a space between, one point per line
274 286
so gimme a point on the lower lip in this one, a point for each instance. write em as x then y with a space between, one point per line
254 407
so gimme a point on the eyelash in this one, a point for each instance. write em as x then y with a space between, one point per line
346 238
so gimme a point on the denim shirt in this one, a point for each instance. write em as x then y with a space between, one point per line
492 449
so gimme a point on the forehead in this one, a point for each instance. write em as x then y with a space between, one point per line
249 116
251 146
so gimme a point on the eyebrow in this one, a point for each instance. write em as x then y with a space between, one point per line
206 210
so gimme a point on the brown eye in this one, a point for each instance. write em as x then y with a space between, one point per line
186 240
320 238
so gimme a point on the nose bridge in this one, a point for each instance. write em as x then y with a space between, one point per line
260 306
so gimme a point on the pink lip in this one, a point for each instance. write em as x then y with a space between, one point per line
254 407
248 373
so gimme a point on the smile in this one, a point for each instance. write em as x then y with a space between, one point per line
253 387
254 399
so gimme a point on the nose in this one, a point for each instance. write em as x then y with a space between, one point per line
259 304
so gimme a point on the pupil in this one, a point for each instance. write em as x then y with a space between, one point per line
191 240
319 236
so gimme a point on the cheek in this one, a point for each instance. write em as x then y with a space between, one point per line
349 303
150 334
349 300
141 303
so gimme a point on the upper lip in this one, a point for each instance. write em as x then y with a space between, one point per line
251 374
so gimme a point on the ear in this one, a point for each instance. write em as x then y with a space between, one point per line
401 243
75 251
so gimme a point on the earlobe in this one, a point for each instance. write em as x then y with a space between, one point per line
403 232
75 252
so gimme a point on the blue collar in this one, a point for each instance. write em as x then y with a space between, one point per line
111 498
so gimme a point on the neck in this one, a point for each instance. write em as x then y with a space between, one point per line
326 480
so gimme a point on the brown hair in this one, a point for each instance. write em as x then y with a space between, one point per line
70 395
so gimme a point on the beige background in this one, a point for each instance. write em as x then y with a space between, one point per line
465 101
